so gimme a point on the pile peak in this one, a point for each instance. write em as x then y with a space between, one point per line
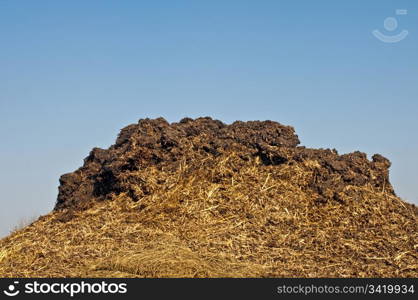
157 143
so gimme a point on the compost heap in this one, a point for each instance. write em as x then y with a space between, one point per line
200 198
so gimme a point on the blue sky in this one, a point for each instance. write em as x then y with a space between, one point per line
72 73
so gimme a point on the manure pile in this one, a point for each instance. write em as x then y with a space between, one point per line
200 198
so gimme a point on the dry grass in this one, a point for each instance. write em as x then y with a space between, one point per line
223 218
23 223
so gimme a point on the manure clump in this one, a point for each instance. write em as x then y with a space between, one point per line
156 143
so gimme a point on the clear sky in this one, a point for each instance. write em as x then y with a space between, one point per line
72 73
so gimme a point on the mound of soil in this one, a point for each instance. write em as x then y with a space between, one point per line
200 198
108 173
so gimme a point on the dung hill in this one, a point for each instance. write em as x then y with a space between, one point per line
200 198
